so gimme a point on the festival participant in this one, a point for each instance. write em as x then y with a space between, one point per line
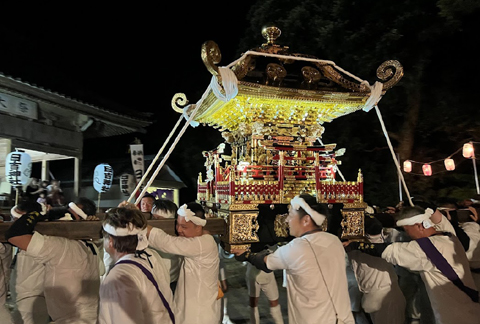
72 276
146 204
382 297
27 278
315 262
197 289
259 280
167 209
55 197
164 209
33 190
440 259
5 262
136 290
467 222
222 276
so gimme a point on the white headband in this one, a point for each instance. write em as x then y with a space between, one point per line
14 213
298 202
129 230
17 215
417 219
190 216
77 210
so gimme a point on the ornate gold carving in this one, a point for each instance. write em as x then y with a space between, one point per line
242 67
230 247
179 101
352 224
243 207
311 75
390 72
243 228
280 225
332 74
211 56
355 205
275 73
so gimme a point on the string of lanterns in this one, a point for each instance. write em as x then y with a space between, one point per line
468 152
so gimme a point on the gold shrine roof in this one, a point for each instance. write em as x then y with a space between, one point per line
275 87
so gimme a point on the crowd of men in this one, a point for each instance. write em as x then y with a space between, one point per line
420 264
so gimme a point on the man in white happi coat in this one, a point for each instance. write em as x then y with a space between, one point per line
27 278
72 276
197 288
382 297
472 229
314 260
452 292
5 261
167 209
136 289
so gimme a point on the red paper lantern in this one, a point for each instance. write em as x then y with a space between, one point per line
468 151
427 169
407 166
449 164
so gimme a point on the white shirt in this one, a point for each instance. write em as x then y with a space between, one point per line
128 296
309 300
172 262
377 280
5 261
472 229
197 288
72 278
449 303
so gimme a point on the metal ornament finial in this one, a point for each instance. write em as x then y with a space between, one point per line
271 34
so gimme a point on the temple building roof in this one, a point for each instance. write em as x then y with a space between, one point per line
273 86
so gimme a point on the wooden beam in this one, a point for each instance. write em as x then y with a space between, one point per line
91 229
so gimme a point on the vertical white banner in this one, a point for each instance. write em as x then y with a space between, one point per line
136 152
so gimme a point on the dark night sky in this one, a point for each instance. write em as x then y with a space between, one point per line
136 57
123 57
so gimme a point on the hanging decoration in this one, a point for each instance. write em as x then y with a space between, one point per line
449 164
468 151
127 183
18 168
102 177
427 169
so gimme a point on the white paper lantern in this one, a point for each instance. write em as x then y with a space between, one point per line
449 164
468 150
407 166
18 168
127 183
102 177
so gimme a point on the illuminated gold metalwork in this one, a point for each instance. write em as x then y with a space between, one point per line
390 72
271 33
280 225
179 101
273 126
353 223
243 228
211 56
